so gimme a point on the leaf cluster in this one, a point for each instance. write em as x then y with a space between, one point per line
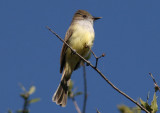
72 92
26 97
152 108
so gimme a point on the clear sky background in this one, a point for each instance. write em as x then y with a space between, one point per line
128 33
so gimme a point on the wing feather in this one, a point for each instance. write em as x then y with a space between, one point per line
64 48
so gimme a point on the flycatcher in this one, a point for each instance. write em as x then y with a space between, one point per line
80 36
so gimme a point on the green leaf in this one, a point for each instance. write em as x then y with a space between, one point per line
146 105
136 109
31 90
143 102
154 105
70 87
78 93
124 109
34 100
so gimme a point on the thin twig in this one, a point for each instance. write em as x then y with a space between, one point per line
97 58
97 70
85 88
155 83
71 95
76 105
26 103
97 111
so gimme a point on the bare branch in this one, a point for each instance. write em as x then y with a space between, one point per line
155 83
25 106
72 95
76 105
97 111
85 88
102 75
97 58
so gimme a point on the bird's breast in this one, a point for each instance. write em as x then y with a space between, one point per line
82 37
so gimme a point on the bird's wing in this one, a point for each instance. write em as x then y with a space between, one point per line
64 48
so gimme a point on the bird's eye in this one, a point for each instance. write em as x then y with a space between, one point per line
78 13
84 16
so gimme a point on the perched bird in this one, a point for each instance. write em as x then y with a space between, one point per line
80 36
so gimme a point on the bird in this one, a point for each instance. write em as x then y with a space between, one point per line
80 37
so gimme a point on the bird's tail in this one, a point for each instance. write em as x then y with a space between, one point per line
61 94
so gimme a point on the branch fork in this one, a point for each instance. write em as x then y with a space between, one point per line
100 73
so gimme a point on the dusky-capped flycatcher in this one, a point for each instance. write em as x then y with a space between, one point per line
80 36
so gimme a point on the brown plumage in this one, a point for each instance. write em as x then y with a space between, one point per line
79 35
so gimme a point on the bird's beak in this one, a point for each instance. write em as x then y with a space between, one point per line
96 18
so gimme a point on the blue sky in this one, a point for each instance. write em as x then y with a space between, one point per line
128 33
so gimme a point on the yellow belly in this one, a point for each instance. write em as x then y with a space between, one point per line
80 39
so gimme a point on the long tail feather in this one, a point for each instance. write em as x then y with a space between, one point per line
61 94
